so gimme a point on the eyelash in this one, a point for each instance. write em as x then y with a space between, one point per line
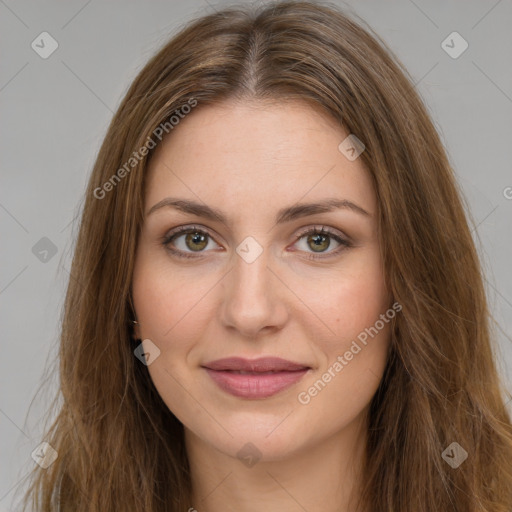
182 230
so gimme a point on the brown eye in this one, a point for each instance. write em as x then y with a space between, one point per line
318 242
196 241
185 241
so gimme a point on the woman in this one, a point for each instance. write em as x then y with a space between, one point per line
277 302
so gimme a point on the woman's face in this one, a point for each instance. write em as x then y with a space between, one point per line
255 281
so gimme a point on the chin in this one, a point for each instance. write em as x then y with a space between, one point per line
262 437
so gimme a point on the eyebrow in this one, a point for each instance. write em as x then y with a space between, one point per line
284 215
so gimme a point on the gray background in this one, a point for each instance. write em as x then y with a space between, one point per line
55 112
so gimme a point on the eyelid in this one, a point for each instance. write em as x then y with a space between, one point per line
344 241
323 229
182 230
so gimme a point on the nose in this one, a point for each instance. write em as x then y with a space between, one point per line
254 298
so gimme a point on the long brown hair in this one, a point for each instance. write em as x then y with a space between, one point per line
119 447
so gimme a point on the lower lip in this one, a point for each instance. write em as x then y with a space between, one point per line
255 385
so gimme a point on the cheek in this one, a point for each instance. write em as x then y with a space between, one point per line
167 301
351 307
170 316
349 300
359 302
353 360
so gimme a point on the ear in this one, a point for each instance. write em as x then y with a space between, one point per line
135 330
135 327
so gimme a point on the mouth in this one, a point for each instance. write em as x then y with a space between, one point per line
256 378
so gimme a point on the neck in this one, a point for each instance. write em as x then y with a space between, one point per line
324 476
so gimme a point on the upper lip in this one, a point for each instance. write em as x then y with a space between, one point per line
262 364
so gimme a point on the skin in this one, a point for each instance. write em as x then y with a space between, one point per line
249 159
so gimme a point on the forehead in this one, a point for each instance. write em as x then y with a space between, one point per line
241 154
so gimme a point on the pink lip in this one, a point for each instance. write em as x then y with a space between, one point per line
261 378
